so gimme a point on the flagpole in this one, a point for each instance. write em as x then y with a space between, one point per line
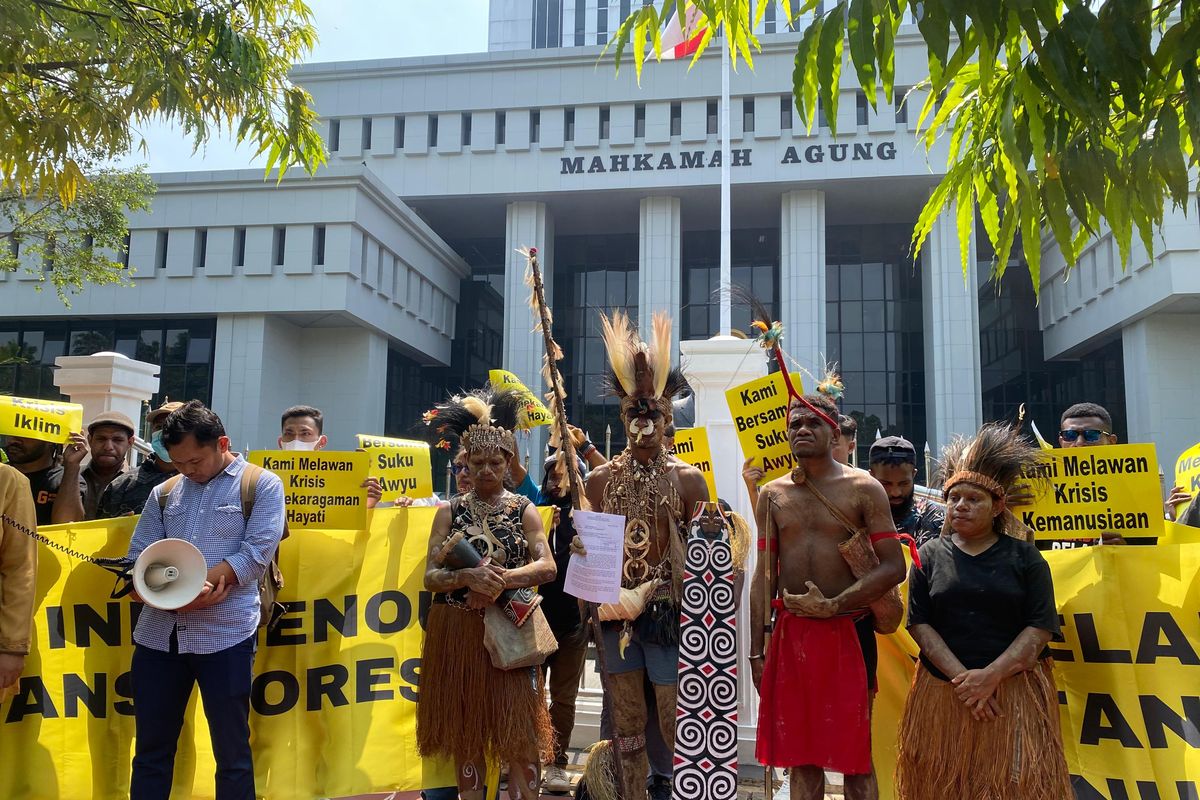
726 154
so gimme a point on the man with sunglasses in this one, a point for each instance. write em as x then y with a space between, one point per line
893 462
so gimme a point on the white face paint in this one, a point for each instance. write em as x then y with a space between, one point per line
641 427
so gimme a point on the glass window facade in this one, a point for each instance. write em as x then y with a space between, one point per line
1013 365
592 274
754 266
874 329
183 348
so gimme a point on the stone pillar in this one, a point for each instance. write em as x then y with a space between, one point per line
1161 385
953 398
714 366
106 382
659 259
529 224
802 277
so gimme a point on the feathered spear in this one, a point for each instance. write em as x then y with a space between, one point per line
566 453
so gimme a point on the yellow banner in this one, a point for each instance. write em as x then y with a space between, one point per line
401 465
46 420
1090 490
335 687
759 410
691 446
1127 672
1187 475
320 489
536 414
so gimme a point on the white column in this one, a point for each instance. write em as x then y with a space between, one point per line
1161 385
953 400
106 382
529 224
659 263
802 277
714 366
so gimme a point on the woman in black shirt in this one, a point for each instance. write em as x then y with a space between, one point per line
981 720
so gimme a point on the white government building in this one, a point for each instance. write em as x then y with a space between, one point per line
392 275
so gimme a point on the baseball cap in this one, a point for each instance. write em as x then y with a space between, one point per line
893 448
162 411
112 418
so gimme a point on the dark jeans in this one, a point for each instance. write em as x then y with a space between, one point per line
162 686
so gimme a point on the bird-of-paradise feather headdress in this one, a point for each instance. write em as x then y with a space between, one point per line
642 375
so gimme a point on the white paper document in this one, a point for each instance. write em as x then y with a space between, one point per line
596 577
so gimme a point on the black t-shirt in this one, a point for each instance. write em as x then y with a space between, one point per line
980 604
560 608
45 484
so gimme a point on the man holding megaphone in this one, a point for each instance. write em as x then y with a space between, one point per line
202 544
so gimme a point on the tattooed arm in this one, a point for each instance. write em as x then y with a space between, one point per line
541 568
484 579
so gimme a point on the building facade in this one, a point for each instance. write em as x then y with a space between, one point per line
393 274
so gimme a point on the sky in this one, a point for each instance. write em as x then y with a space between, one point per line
347 30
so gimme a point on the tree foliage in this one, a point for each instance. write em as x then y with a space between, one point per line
1060 115
77 77
72 246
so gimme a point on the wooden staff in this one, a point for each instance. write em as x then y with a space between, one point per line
769 590
574 480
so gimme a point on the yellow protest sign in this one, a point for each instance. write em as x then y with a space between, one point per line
759 410
333 699
1174 533
401 465
1088 490
320 489
1187 475
691 446
46 420
537 413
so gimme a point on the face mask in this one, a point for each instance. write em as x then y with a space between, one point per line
296 444
160 452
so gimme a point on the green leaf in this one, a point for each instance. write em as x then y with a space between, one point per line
1168 154
935 28
829 62
861 28
965 222
1116 210
1060 223
804 74
1031 239
885 53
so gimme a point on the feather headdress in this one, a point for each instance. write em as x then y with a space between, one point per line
994 459
480 420
641 371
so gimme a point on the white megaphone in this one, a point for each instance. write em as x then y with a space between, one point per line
169 574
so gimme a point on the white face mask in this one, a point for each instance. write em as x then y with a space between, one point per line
296 444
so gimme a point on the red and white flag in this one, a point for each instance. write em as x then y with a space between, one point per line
682 40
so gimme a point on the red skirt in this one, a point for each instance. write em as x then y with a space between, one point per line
814 708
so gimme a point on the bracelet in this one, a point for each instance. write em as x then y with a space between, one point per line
758 657
587 448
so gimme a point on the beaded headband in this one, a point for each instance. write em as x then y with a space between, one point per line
482 438
976 478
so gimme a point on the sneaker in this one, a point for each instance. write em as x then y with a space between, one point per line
556 780
784 792
659 789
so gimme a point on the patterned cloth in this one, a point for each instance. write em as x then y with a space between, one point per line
209 515
923 521
509 548
128 492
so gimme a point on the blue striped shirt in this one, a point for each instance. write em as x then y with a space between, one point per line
209 515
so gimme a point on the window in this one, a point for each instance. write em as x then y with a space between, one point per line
785 112
821 121
366 134
639 121
500 120
754 266
625 9
712 121
279 245
239 247
160 250
433 130
466 130
569 124
535 127
860 109
676 119
547 23
399 133
200 248
335 135
14 245
748 114
769 18
580 23
601 22
901 105
319 245
604 123
49 252
89 242
124 251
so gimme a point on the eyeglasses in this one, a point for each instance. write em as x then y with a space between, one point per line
1090 435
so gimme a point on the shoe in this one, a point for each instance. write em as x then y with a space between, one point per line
784 792
556 780
659 789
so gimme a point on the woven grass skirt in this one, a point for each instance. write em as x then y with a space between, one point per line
467 707
944 752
